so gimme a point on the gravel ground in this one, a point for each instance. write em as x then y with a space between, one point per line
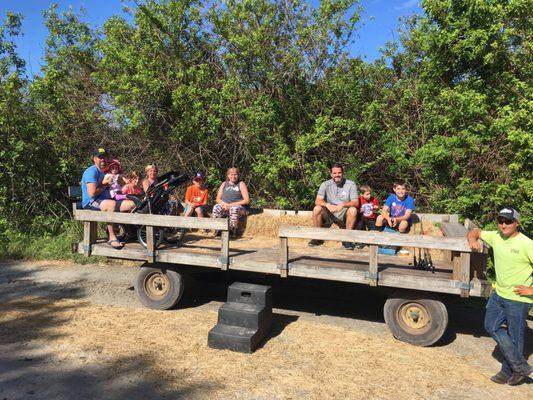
77 331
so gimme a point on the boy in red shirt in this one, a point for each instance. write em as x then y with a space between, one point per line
368 205
196 196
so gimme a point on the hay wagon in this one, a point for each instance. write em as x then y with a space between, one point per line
414 312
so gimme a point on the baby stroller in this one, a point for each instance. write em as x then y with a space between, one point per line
155 201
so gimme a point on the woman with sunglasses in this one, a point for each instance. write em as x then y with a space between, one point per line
508 305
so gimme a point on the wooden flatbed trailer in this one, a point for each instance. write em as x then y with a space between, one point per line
413 312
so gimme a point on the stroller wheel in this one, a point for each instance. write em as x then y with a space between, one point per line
174 235
125 233
158 236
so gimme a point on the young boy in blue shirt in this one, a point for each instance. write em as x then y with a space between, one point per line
397 210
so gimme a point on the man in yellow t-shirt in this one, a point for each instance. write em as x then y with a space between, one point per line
508 305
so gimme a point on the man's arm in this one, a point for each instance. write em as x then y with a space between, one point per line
348 204
93 190
320 201
473 239
354 198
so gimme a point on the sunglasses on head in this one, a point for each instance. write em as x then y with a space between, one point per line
505 221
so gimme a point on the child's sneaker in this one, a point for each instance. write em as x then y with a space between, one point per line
348 245
315 242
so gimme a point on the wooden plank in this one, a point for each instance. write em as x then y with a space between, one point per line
150 244
169 221
438 218
90 230
425 283
266 267
193 259
103 250
283 256
373 265
465 273
469 224
331 273
224 252
456 261
453 229
376 238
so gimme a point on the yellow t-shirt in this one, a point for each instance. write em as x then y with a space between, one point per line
513 262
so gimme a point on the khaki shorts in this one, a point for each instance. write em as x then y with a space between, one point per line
338 218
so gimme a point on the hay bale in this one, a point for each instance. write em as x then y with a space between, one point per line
264 225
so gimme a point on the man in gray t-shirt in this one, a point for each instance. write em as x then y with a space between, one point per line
336 203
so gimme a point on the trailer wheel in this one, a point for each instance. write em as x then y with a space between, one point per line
159 289
417 318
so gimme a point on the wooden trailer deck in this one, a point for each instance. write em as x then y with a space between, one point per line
292 258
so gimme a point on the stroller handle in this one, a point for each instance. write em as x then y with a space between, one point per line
177 180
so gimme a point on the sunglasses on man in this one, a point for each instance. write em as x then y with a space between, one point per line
505 221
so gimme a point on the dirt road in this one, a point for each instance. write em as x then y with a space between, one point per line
77 331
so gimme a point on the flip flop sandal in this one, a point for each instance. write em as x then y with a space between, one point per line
110 243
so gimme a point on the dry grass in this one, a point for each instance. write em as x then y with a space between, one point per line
267 226
306 360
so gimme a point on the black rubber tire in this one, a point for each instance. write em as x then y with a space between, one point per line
158 233
147 287
430 317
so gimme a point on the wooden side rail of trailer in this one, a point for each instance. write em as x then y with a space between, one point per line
90 224
414 312
385 274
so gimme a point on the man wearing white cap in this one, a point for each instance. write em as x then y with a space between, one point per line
508 305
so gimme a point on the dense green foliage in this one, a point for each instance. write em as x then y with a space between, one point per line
268 85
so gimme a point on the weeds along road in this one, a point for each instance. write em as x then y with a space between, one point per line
77 331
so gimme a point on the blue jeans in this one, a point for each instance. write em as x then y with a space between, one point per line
512 314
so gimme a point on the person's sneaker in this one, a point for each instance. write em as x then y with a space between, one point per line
516 379
348 245
315 242
360 246
500 378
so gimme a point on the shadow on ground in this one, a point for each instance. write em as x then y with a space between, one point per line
32 368
16 283
124 378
